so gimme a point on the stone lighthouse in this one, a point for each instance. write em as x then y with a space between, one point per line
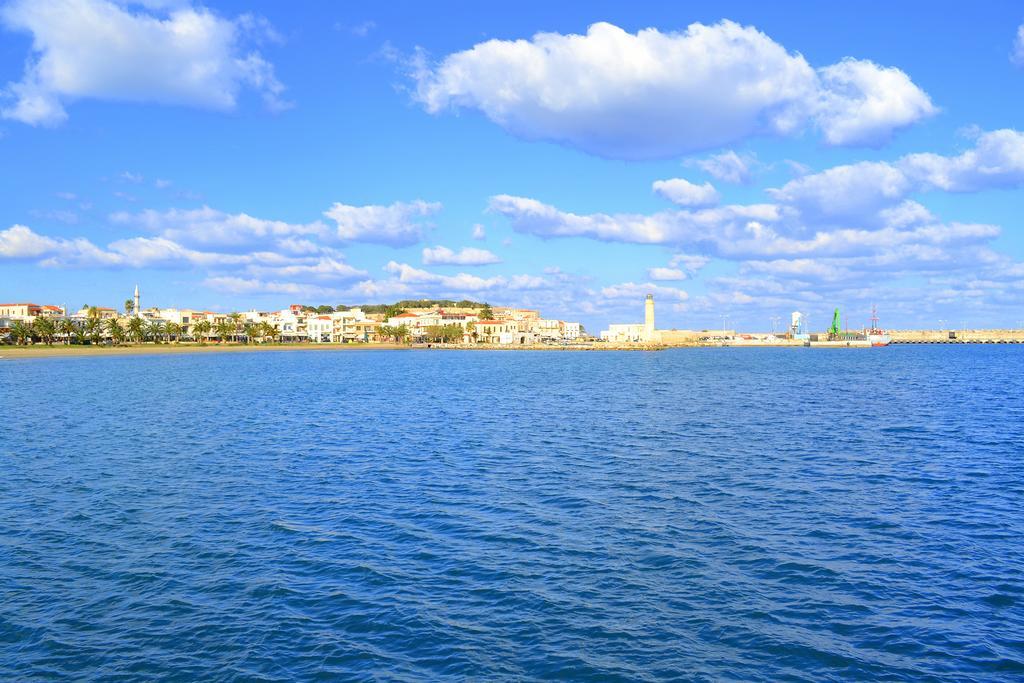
649 318
137 310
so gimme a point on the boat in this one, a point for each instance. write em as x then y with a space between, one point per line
876 335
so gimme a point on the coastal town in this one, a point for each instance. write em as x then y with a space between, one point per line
422 323
406 322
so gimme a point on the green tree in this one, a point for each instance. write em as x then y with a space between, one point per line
225 330
115 331
67 329
137 330
129 306
324 310
21 332
93 327
486 313
200 330
173 330
45 329
156 329
237 322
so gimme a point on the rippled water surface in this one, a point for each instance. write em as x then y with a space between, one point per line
696 514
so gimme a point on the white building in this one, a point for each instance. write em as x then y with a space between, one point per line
634 332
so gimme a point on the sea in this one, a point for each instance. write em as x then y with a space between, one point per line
685 515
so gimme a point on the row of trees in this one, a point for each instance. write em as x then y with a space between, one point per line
437 334
94 330
395 333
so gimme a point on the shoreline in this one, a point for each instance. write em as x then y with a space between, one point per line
81 351
87 351
78 351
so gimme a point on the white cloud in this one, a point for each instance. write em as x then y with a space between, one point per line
20 242
680 267
997 161
210 228
326 268
1017 56
856 191
667 227
845 192
863 103
656 95
684 193
690 262
636 292
397 225
666 273
737 232
729 167
238 285
468 256
98 49
363 29
129 177
463 282
479 232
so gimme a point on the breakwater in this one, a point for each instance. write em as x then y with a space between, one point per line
967 336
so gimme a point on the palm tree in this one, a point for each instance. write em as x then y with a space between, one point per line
236 320
115 331
20 332
67 328
93 313
173 330
200 330
225 330
129 306
137 330
45 329
93 327
157 329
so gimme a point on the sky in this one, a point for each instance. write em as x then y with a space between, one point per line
738 160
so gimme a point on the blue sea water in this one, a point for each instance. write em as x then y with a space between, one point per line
711 514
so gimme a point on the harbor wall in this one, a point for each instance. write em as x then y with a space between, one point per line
981 336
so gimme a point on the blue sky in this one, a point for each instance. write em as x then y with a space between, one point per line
736 159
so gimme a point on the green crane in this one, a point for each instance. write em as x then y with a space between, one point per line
836 326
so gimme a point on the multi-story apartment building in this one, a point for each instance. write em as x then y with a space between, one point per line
19 311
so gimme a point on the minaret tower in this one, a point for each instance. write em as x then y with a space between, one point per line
138 311
649 318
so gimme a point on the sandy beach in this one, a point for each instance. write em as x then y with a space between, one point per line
62 351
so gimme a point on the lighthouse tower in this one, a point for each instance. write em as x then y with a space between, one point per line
137 310
649 318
